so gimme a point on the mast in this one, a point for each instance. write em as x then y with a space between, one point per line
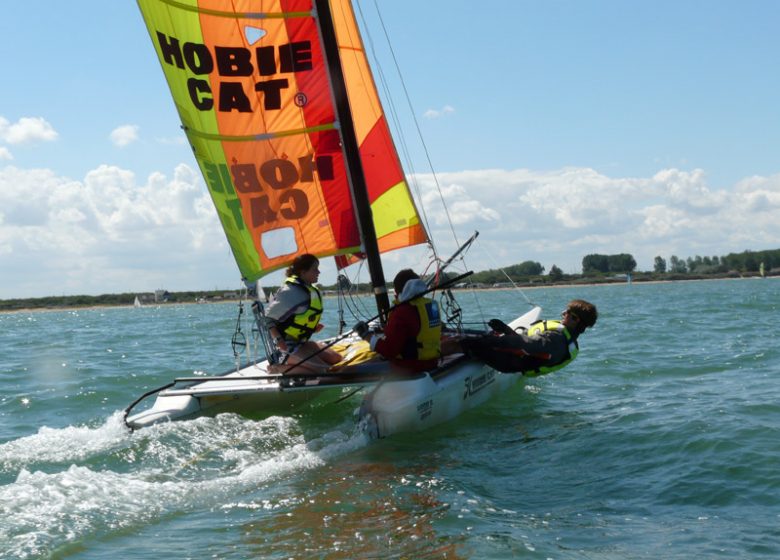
354 166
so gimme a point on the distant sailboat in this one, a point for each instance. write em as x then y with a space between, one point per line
280 107
137 302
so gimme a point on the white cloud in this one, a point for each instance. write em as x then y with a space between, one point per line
124 135
26 130
5 154
689 189
438 113
110 232
461 208
560 216
107 233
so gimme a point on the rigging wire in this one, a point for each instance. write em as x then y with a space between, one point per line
238 341
260 333
394 113
351 296
514 285
414 119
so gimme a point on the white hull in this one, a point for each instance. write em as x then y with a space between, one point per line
410 406
417 404
391 407
250 391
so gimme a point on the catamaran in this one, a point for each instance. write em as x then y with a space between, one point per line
281 110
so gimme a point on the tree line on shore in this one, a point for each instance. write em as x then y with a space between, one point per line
609 268
596 268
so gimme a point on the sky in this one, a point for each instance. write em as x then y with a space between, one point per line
555 128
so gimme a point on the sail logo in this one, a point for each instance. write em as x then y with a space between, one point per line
255 181
236 62
300 99
474 385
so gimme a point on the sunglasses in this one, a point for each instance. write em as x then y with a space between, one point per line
570 314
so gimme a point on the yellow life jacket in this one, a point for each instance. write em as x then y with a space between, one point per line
543 326
428 341
300 327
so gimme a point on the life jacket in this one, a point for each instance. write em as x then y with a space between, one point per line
427 344
300 327
544 326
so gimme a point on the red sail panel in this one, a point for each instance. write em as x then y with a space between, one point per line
395 216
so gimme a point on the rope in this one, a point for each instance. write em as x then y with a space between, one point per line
514 286
238 341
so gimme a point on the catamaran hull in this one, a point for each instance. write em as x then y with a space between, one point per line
233 393
408 406
418 404
266 401
392 406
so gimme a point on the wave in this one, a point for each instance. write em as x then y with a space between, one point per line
80 483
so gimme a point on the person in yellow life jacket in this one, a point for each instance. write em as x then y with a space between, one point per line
547 346
411 340
294 315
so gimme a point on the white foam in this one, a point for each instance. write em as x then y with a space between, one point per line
63 445
169 467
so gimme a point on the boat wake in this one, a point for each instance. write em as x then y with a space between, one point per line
73 443
63 486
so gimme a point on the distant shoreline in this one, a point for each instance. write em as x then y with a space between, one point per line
523 286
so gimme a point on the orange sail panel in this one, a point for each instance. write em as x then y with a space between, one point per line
251 86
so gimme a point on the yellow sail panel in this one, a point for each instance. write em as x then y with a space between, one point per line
252 91
395 217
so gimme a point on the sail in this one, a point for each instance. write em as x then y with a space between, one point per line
251 86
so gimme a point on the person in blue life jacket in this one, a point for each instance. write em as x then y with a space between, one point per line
411 340
547 346
293 315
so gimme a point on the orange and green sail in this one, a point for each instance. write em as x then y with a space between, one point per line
252 88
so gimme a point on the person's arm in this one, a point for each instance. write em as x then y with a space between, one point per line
551 345
403 323
286 302
277 337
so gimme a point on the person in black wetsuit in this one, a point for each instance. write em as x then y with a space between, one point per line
547 346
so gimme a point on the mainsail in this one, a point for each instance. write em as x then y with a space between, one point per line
251 82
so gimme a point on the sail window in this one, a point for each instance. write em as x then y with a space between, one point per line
254 34
279 242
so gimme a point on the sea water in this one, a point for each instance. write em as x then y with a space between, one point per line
661 441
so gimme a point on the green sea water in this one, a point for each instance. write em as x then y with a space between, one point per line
661 441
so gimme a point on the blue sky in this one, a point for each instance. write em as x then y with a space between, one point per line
557 129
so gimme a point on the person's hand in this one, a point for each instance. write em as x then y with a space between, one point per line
361 329
499 326
319 327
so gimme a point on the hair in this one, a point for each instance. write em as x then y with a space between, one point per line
586 312
402 278
301 264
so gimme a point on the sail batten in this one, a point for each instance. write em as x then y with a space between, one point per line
233 14
255 98
262 136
